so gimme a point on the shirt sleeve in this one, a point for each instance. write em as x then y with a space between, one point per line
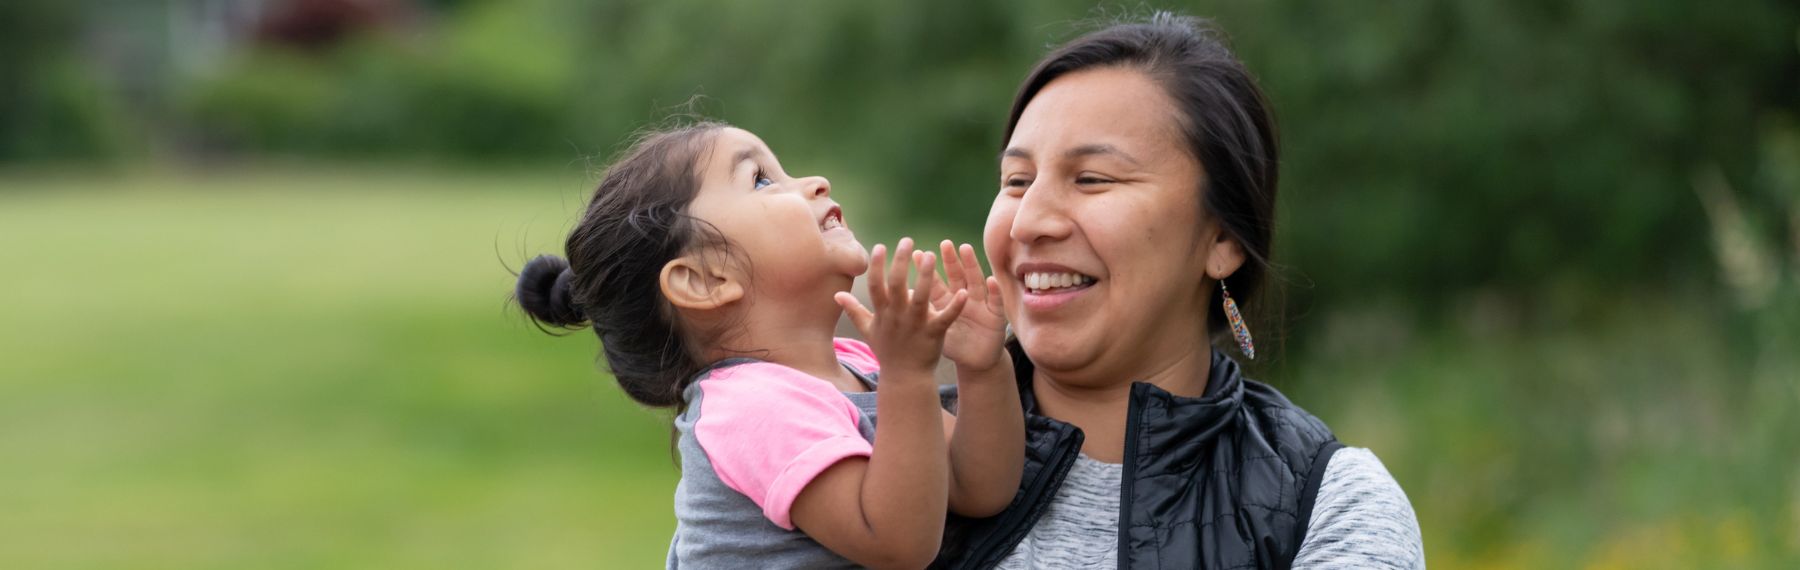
857 354
769 430
1361 519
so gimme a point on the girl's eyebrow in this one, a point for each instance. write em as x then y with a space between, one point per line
747 154
742 156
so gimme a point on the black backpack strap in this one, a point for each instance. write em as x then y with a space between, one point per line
1310 493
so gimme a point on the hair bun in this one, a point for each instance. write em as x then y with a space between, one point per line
543 291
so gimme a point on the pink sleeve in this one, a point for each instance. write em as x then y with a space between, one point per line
857 354
769 430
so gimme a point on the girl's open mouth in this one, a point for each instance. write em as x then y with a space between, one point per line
833 220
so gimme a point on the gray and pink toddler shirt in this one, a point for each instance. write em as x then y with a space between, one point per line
753 435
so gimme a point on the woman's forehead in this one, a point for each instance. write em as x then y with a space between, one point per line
1114 107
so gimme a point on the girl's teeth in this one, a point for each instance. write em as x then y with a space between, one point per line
1046 281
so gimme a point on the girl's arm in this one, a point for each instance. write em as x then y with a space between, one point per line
887 511
987 435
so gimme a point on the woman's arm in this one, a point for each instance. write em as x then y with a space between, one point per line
1361 518
987 434
987 441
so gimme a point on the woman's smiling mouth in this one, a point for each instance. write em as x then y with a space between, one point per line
1039 282
1048 286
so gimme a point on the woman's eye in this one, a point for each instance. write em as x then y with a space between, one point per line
1017 182
1085 180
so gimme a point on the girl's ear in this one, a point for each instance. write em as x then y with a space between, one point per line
690 284
1223 256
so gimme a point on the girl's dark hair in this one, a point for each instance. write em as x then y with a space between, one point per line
1223 116
635 223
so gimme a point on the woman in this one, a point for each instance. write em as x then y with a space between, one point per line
1136 209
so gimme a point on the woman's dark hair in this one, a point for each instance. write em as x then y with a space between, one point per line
1223 116
635 223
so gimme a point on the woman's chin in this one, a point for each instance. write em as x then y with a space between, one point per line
1051 351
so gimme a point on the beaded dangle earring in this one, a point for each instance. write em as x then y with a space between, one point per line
1237 323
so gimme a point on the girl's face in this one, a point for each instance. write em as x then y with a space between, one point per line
788 229
1096 235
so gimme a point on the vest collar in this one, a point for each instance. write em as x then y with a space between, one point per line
1215 408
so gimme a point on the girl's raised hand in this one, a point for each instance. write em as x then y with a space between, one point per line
906 328
976 340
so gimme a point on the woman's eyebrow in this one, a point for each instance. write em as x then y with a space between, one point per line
1094 149
1077 152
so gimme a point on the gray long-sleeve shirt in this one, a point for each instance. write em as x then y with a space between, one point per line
1361 519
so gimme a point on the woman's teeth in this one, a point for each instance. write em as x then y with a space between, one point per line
1046 281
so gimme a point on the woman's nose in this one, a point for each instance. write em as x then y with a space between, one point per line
1042 216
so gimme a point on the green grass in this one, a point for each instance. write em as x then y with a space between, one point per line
303 369
315 367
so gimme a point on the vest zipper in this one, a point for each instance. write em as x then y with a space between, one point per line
1010 529
1133 411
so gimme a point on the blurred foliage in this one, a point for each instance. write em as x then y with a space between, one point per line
52 107
475 91
1436 147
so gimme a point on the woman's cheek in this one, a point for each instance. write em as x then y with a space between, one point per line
996 236
997 241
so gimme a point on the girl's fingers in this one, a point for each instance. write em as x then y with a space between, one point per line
896 277
953 268
859 315
927 263
993 294
942 319
972 267
878 275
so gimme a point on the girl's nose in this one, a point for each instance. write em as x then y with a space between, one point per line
815 187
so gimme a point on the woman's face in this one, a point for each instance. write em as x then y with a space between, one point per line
1097 236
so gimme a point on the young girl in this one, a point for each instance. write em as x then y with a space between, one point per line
714 281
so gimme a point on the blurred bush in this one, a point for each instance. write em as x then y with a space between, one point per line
1438 147
52 106
1431 149
488 84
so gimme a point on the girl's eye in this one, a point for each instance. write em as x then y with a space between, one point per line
762 180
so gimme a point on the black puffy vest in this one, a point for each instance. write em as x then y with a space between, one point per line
1226 480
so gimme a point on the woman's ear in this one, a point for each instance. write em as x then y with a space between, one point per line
1223 256
690 284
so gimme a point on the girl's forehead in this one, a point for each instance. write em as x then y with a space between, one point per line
731 147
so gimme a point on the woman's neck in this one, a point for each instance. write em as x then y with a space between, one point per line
1099 401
